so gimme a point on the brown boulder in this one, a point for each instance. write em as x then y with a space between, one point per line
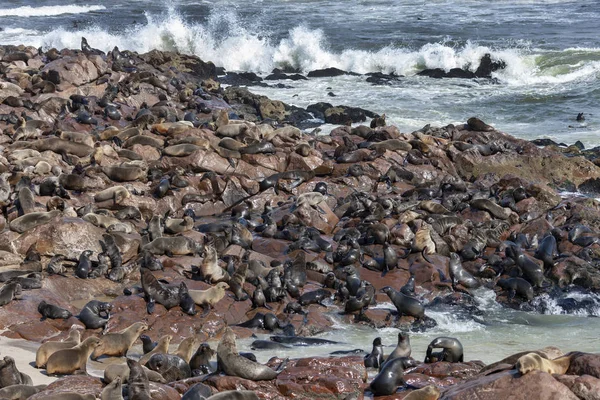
511 385
73 70
75 383
585 364
585 387
67 236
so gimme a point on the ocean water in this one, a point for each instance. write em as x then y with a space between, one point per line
551 48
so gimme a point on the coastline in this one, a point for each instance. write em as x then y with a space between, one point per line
403 183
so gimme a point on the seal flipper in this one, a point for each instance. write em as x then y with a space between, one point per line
150 305
321 210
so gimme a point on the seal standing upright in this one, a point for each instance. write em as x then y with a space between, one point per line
68 361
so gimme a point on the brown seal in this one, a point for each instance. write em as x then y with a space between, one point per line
117 344
69 396
114 371
31 220
210 269
112 391
161 347
427 393
232 363
209 297
116 194
535 362
139 386
67 361
49 348
186 348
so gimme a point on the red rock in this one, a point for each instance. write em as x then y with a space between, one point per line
75 383
444 369
585 387
513 385
585 364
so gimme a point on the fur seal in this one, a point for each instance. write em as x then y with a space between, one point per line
406 305
403 348
52 311
124 173
179 225
112 391
453 350
375 359
117 344
139 386
186 348
459 275
532 272
231 363
201 358
534 362
199 391
121 371
171 367
170 246
48 348
147 344
517 286
475 124
85 265
116 194
10 375
234 395
211 272
185 300
69 396
167 295
8 292
430 392
67 361
18 392
301 341
389 379
91 316
31 220
161 347
209 297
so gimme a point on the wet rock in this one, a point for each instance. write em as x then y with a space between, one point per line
326 73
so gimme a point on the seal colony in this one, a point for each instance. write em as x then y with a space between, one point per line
135 183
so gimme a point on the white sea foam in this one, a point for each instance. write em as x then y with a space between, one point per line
237 45
48 11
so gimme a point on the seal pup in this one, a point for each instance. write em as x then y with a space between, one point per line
171 367
406 305
236 283
8 292
117 344
139 386
67 361
85 265
185 300
52 311
91 314
453 349
10 375
375 359
232 363
112 391
161 347
48 348
147 344
201 358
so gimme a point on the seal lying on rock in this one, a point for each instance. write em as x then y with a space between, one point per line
91 314
231 363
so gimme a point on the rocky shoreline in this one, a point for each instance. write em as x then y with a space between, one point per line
113 153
